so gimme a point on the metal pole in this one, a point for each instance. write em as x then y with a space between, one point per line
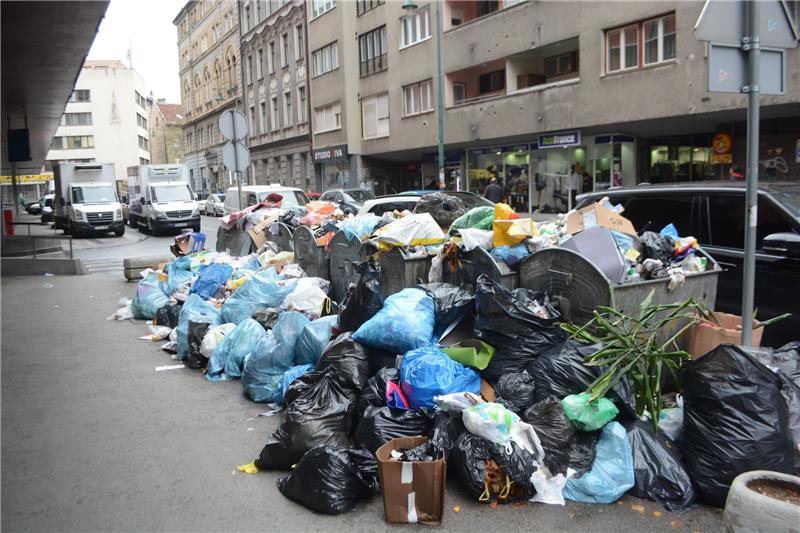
440 90
751 212
14 189
238 172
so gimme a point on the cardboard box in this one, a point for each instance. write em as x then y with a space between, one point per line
257 232
598 215
412 492
702 338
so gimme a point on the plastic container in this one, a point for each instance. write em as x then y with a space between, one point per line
401 270
477 262
283 238
309 255
343 256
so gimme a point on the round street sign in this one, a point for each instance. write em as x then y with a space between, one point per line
233 125
229 154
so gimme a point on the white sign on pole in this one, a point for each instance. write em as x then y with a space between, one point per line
233 125
235 156
724 21
727 69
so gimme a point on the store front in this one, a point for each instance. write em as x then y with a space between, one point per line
677 159
429 178
332 168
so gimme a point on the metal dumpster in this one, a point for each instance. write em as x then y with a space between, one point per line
477 262
343 256
309 255
580 287
281 235
401 270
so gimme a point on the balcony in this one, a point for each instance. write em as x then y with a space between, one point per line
458 12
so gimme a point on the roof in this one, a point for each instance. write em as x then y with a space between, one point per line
173 113
103 63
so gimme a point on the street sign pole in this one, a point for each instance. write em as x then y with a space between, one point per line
236 171
751 212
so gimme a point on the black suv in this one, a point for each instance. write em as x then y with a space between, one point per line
714 213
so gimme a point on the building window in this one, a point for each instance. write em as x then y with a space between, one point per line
654 37
258 11
372 52
416 28
274 113
325 59
253 123
659 39
492 81
290 168
418 98
249 69
260 63
299 42
82 119
75 142
143 161
143 143
459 92
263 117
285 50
375 116
561 64
272 57
287 109
246 18
302 116
79 96
362 6
623 48
328 118
141 100
320 7
486 8
141 121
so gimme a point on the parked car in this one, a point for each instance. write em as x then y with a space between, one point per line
253 194
382 204
313 195
47 208
470 199
214 205
347 199
714 213
35 208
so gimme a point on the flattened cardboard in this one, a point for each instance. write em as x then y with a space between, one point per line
597 214
257 233
487 391
702 339
412 492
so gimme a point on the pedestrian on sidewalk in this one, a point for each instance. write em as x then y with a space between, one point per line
736 173
494 192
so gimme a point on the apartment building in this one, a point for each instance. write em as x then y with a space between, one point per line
105 119
276 92
166 133
210 77
533 92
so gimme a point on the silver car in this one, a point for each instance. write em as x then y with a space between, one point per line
215 205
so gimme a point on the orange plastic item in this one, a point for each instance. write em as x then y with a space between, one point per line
325 239
321 208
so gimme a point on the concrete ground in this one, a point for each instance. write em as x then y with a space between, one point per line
93 439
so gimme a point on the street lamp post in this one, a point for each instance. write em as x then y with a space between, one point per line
409 5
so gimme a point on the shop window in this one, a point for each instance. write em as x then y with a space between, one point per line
372 52
418 98
375 116
492 81
654 37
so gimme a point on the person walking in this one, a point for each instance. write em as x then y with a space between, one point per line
493 192
736 173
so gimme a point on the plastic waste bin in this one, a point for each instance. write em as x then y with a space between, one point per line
580 287
309 255
477 262
401 269
281 235
344 254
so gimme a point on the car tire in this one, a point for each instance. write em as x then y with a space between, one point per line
119 232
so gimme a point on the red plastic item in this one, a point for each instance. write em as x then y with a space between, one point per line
8 221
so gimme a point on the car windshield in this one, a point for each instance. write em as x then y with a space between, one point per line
290 198
220 197
171 193
471 200
93 195
358 195
790 199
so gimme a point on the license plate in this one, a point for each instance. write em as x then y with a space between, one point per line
181 224
101 227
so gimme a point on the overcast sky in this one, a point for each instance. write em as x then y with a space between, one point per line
146 27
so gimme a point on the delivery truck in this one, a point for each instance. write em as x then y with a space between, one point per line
86 199
161 198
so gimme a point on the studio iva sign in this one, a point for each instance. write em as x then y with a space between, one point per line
560 139
330 154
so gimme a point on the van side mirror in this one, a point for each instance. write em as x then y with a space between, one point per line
785 244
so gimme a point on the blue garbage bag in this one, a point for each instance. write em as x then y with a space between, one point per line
229 358
210 279
290 375
612 471
254 264
149 298
511 255
428 372
263 372
197 310
313 339
264 289
359 227
405 323
178 273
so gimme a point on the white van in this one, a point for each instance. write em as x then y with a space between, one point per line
253 194
86 200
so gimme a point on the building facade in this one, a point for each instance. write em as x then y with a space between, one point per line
276 92
210 77
615 92
105 119
166 132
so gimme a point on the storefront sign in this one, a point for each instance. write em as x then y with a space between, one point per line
29 178
323 155
558 140
721 146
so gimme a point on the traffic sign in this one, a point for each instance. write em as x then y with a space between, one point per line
727 69
725 21
233 125
235 156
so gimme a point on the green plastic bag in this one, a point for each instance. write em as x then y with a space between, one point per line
588 415
471 352
477 217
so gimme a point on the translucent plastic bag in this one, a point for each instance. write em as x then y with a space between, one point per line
265 289
214 338
305 299
477 218
210 279
405 323
286 379
411 230
587 414
428 372
149 298
228 359
178 275
313 339
612 472
495 423
359 227
197 310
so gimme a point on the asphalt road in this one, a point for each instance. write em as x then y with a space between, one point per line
94 439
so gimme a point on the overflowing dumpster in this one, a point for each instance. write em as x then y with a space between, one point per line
309 255
476 262
401 269
344 254
281 235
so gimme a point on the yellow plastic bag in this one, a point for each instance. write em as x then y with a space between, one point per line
413 230
512 232
503 212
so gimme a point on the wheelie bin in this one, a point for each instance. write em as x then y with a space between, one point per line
476 262
281 235
344 254
401 269
309 255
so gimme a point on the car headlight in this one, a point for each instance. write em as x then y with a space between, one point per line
118 214
159 214
78 215
196 212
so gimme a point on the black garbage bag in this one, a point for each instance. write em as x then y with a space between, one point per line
555 432
379 425
508 477
374 394
734 420
331 480
658 472
444 209
582 451
379 358
520 324
441 440
451 303
363 299
320 416
349 359
267 317
562 371
657 246
300 385
515 391
167 315
289 218
197 330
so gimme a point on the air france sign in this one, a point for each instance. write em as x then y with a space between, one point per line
559 140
